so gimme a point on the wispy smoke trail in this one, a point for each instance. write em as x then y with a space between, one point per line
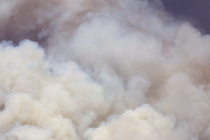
101 70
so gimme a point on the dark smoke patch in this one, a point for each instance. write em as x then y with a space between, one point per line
29 20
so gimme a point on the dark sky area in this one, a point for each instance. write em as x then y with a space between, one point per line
197 11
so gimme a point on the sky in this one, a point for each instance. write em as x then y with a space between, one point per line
197 10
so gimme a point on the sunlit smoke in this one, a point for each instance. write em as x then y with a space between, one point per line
101 70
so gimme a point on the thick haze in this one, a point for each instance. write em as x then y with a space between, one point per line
101 70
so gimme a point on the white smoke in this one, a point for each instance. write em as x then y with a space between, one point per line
99 70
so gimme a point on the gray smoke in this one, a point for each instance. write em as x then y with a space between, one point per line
101 70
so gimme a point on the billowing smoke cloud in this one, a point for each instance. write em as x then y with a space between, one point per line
101 70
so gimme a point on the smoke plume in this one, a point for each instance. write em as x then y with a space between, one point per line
101 70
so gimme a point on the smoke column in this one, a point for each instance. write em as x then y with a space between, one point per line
101 70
